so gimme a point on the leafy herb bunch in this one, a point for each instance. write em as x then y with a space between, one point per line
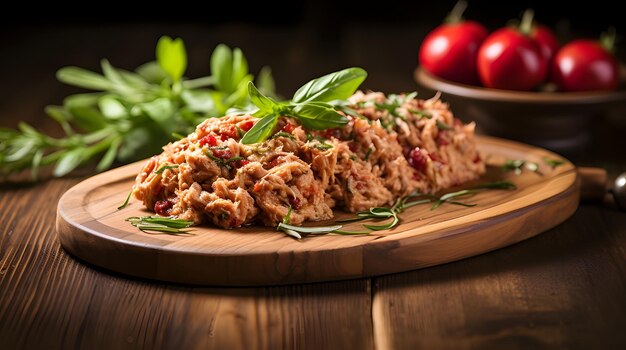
315 105
131 114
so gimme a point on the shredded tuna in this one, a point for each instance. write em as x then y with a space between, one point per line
401 145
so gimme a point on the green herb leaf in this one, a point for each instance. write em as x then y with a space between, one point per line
151 72
132 114
230 73
160 224
334 86
443 126
114 76
172 57
68 162
553 162
316 229
266 105
161 111
516 166
265 81
322 146
318 116
83 78
285 135
110 155
261 130
199 100
125 204
291 233
35 163
165 167
387 226
287 218
112 108
240 67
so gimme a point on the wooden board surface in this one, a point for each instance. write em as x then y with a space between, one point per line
90 227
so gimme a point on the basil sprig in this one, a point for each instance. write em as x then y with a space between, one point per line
314 104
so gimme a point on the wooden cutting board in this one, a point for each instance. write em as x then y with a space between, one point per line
91 228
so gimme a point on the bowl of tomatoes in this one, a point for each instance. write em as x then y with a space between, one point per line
520 83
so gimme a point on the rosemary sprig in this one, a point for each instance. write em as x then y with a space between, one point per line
165 167
170 225
111 123
284 134
125 204
225 163
368 153
322 146
448 196
443 126
298 232
553 162
384 213
517 165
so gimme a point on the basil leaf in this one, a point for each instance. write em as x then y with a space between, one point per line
172 57
222 68
83 78
68 162
334 86
266 105
318 116
261 130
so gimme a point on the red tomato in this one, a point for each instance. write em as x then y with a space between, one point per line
449 51
508 59
546 40
585 65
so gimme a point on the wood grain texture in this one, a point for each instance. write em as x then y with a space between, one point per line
569 293
92 228
48 300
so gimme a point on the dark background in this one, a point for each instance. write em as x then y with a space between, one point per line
299 40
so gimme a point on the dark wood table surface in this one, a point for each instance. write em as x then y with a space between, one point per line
565 288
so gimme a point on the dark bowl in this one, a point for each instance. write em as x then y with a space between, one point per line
560 121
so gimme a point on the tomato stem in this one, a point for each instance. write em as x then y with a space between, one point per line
526 25
607 39
456 15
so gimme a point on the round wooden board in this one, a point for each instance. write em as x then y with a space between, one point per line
90 227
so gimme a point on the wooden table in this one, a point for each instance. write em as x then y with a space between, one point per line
565 288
